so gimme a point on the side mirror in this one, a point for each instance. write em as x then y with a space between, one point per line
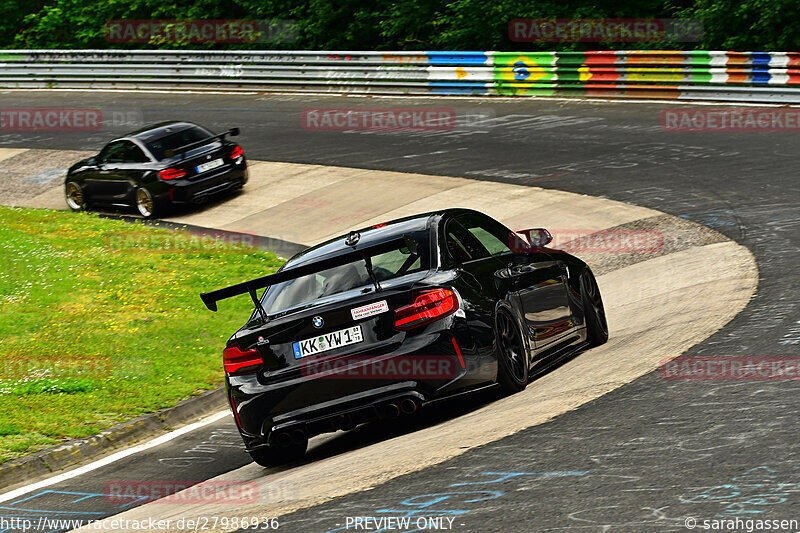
92 161
233 132
527 240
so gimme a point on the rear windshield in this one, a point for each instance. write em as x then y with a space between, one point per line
343 278
163 147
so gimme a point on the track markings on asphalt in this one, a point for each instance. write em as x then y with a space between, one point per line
94 465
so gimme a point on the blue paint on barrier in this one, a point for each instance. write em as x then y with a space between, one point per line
761 76
761 59
457 58
521 72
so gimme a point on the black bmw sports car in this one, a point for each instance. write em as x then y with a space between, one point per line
394 317
158 166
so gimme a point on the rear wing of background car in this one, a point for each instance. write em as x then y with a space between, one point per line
365 253
233 132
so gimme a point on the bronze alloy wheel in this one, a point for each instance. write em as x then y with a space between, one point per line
74 196
144 202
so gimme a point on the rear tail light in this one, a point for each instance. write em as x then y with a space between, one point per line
237 152
236 361
172 174
429 306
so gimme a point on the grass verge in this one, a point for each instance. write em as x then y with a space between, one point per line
100 321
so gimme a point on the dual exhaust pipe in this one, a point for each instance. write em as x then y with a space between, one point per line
406 406
298 437
284 439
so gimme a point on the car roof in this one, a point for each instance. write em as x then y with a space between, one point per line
375 234
162 129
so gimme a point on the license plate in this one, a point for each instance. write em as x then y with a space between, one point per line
208 166
327 341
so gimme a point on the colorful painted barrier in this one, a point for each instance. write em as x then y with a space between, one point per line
709 75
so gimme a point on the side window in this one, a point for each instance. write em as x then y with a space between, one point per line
114 152
490 233
135 155
123 152
462 245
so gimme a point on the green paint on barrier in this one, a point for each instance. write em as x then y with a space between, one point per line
531 59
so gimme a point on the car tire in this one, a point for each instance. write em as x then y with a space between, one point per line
512 360
146 203
275 456
594 312
73 195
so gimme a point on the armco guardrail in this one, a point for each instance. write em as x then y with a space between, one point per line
709 75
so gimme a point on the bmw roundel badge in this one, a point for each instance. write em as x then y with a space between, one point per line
317 321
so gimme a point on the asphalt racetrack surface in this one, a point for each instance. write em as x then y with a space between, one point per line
653 455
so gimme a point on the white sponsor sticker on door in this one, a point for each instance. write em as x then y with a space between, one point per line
369 310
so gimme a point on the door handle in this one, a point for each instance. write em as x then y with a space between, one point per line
516 269
564 270
513 270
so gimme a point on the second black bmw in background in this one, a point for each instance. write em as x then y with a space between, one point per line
165 164
385 320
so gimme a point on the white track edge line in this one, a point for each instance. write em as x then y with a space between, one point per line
113 458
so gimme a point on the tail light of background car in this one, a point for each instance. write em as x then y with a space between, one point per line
237 153
428 306
237 362
172 174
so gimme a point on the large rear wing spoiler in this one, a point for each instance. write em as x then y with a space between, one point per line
233 132
366 253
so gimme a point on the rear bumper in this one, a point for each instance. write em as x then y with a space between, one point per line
197 191
383 403
327 398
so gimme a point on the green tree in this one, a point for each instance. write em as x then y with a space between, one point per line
403 24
